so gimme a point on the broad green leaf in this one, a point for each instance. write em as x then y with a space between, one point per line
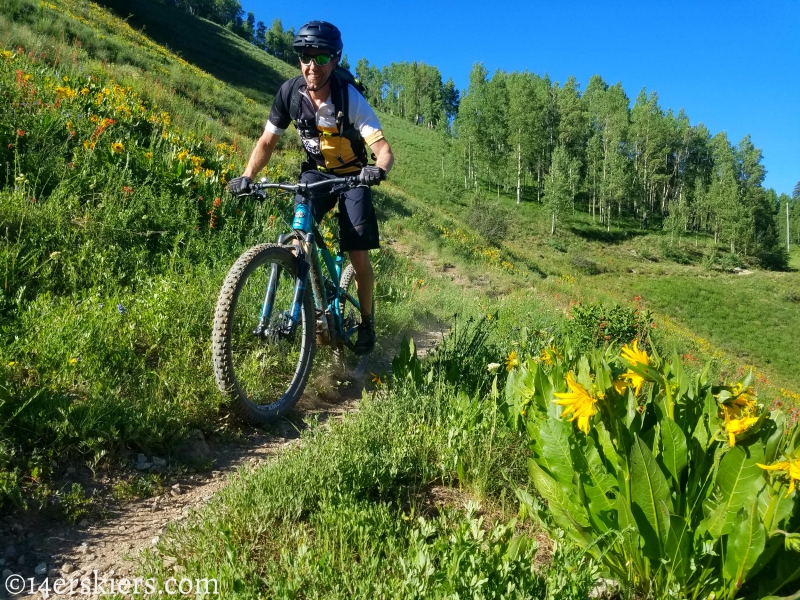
607 446
629 532
772 434
566 512
737 484
679 543
597 485
745 545
774 506
556 457
649 488
675 454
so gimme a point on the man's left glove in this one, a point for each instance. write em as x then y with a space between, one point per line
371 175
240 185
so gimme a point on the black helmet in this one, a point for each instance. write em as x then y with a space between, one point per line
318 34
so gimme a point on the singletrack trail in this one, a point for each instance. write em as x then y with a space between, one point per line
40 548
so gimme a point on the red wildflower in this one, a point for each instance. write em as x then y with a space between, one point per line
127 190
21 132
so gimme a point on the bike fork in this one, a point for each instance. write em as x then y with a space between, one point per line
269 299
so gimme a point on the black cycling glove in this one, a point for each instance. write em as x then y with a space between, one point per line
240 185
371 175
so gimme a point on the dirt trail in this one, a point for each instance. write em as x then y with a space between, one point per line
43 549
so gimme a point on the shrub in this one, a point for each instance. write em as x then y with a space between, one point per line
489 219
595 325
587 265
557 244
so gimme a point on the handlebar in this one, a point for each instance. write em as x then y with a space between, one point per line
303 189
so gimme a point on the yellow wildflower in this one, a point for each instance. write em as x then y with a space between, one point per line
635 357
73 361
792 468
85 92
148 155
376 379
579 402
87 145
94 118
736 426
182 155
198 160
620 386
512 361
13 363
117 147
209 172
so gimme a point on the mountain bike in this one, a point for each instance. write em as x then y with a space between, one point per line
267 323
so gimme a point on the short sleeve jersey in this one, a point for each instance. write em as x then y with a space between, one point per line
322 144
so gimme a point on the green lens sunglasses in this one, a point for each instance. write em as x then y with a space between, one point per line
320 59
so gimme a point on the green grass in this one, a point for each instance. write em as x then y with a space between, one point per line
411 497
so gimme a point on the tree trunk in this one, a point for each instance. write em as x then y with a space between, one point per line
553 225
519 170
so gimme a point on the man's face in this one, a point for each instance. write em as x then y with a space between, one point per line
317 76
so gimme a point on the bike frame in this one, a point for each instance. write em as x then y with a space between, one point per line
312 247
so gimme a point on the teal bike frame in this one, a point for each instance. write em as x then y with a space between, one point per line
307 243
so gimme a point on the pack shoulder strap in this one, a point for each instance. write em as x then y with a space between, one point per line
295 98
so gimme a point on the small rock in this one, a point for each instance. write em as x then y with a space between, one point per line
194 447
52 572
154 541
84 523
83 548
2 562
122 528
67 568
143 466
10 551
141 458
6 574
168 561
159 462
70 470
179 568
40 569
176 489
16 527
21 560
90 557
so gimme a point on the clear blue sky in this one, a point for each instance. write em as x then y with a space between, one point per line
732 65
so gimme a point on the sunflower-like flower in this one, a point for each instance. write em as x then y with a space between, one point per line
550 355
512 361
117 147
791 468
737 426
741 403
579 402
635 357
620 386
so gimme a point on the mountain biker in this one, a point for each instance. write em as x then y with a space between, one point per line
336 125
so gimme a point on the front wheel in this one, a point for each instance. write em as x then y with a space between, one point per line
262 358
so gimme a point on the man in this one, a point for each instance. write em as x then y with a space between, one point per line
336 125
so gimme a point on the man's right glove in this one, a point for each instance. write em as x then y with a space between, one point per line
371 175
240 185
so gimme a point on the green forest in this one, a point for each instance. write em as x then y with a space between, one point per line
609 408
549 142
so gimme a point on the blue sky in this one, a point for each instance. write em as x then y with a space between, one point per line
734 65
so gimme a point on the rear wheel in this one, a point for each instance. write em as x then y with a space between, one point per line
262 366
351 315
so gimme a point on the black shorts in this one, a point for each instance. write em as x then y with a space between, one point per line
358 225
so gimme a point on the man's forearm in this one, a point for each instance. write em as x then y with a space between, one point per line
260 155
383 155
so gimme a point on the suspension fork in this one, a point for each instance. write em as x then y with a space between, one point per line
269 300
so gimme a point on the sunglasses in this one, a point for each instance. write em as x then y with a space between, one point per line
320 59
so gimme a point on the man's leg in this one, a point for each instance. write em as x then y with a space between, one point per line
365 279
359 230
